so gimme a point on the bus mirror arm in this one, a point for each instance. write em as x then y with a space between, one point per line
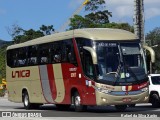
92 52
152 52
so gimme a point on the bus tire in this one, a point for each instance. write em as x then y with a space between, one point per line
77 103
155 100
121 107
26 101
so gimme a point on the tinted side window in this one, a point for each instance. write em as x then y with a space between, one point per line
56 52
83 42
32 55
68 52
11 56
44 56
49 53
22 56
17 57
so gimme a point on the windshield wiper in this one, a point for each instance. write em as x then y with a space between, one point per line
133 74
117 75
119 66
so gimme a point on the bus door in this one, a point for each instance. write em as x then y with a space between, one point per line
89 76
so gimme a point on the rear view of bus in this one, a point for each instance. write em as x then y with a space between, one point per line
95 67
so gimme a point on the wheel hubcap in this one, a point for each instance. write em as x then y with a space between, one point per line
77 101
26 100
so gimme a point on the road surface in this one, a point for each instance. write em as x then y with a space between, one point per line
46 112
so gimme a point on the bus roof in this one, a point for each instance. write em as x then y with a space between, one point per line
90 33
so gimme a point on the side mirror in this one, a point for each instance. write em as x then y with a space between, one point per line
92 52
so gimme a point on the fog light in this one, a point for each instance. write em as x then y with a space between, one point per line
104 99
146 98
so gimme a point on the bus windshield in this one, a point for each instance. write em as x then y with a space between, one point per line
120 63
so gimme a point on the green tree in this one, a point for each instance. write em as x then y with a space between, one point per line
47 30
14 30
81 22
97 18
2 61
100 17
30 34
95 5
124 26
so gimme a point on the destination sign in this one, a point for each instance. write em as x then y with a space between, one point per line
104 44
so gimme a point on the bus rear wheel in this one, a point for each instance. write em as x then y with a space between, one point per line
121 107
26 102
77 103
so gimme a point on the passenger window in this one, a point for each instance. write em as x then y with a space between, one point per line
68 52
32 55
56 51
44 53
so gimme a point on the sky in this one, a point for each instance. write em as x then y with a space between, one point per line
33 13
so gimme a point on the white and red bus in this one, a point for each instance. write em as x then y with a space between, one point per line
84 67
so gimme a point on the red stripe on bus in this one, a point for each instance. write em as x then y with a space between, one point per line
77 53
52 81
126 88
138 87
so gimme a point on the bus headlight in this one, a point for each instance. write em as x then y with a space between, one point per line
102 90
144 89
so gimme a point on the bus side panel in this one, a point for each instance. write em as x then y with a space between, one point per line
16 83
73 78
69 72
36 95
24 78
89 92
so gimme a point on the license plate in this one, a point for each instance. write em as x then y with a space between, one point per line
127 99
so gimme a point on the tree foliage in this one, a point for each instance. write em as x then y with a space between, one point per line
20 35
47 30
14 30
95 5
2 61
28 35
81 22
98 17
124 26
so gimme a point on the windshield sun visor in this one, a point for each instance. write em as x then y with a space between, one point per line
130 50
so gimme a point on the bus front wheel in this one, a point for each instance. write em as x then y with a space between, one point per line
77 103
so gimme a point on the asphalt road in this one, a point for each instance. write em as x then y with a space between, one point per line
16 111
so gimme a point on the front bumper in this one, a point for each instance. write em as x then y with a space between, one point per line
108 99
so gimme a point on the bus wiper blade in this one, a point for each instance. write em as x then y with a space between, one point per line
130 71
117 74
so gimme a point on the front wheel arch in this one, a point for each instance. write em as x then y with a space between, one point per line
75 95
